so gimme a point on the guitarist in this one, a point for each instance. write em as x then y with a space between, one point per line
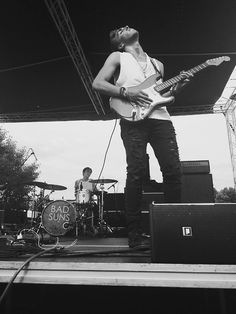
129 65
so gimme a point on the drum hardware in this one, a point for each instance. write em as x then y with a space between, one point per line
85 218
103 227
84 221
85 207
39 203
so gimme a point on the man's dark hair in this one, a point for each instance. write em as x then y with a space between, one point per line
86 168
114 41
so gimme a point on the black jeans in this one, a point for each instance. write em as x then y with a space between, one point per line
161 136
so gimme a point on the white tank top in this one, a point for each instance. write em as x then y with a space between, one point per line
133 73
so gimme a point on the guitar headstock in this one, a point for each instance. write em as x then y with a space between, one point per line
217 61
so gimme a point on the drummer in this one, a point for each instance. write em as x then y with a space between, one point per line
85 183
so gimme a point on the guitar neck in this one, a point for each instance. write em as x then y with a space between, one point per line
178 78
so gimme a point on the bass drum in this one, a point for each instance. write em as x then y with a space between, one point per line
58 217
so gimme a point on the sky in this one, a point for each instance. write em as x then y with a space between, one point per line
63 149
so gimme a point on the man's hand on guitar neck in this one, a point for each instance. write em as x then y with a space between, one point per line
137 96
185 75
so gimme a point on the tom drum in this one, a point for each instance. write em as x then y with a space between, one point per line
83 196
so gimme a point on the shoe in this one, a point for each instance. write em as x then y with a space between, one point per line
138 241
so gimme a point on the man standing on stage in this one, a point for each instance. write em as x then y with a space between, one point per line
129 66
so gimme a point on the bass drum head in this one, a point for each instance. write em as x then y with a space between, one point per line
58 217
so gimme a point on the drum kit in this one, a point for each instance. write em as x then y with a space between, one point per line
85 214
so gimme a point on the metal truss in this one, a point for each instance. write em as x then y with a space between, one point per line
67 31
191 110
75 113
231 128
229 110
34 116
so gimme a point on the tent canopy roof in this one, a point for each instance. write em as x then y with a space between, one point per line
39 81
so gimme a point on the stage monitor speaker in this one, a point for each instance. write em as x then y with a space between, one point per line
193 233
197 188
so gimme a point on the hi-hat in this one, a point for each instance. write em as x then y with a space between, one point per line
103 181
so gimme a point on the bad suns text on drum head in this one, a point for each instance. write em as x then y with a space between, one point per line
58 217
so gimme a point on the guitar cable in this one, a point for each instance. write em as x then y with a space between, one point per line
20 268
106 152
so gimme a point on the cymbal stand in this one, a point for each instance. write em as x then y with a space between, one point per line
33 214
102 225
79 217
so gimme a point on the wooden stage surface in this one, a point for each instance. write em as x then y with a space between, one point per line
109 262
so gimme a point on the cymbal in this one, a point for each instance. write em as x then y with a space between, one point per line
46 186
55 187
36 183
103 181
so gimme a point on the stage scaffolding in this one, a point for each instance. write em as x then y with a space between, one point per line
226 104
62 20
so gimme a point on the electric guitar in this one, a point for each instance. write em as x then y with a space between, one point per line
130 111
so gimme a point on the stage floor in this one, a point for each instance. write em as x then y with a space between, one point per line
109 262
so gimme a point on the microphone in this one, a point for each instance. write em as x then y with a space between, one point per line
81 186
113 185
33 153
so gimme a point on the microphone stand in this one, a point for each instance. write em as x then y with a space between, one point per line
113 185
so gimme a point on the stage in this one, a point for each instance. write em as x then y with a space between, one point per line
87 263
95 271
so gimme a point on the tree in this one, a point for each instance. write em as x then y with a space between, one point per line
14 173
226 195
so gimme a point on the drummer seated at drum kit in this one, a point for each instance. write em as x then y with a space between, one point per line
84 185
85 194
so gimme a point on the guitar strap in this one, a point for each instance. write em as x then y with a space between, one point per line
155 67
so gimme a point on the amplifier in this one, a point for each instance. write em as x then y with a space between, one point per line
114 202
150 197
195 166
147 200
197 188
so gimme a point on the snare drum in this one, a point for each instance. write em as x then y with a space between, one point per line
83 196
58 217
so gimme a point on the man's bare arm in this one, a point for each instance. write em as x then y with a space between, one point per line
101 82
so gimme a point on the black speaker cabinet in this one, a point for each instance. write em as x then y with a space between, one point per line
193 233
147 200
197 188
114 210
114 201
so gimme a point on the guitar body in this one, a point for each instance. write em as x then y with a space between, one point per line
132 112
